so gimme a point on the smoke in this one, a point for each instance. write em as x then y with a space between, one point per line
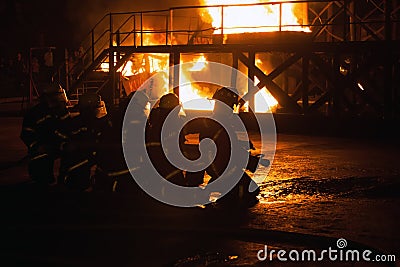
84 14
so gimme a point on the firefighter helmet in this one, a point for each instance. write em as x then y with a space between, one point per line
169 101
54 95
91 102
229 96
101 110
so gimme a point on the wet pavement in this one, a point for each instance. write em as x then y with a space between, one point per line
319 189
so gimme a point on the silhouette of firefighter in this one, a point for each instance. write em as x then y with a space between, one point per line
83 132
168 106
90 144
41 132
112 173
246 190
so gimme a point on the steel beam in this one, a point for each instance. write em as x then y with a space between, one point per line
235 65
339 83
251 76
305 82
272 87
323 47
176 75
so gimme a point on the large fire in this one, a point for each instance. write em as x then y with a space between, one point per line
254 18
229 20
191 96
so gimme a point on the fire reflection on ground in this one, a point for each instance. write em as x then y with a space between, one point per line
334 187
323 186
310 167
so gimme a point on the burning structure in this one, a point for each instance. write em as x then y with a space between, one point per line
329 57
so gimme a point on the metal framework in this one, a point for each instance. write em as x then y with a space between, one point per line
348 65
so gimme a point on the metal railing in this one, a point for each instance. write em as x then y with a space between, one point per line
165 27
327 21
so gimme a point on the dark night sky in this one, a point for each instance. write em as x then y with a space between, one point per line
61 23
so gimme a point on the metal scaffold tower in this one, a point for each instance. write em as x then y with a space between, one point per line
345 61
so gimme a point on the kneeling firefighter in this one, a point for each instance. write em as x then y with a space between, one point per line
168 106
40 132
83 132
112 172
246 190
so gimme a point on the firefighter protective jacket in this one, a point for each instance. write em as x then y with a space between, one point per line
42 127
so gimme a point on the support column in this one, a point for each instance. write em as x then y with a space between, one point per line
111 64
353 33
118 42
171 25
134 31
329 37
305 82
118 83
235 66
337 90
346 20
251 76
175 60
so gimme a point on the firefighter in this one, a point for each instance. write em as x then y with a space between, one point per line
227 101
83 132
41 133
168 105
112 173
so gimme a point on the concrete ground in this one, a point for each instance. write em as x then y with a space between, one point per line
319 189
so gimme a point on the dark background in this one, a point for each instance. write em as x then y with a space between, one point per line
61 23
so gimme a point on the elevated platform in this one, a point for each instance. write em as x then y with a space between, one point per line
284 46
326 61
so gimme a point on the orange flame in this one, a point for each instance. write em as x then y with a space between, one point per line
230 20
264 101
188 91
256 18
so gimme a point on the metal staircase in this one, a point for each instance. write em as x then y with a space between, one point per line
341 31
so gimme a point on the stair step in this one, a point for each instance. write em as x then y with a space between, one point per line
95 81
90 88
